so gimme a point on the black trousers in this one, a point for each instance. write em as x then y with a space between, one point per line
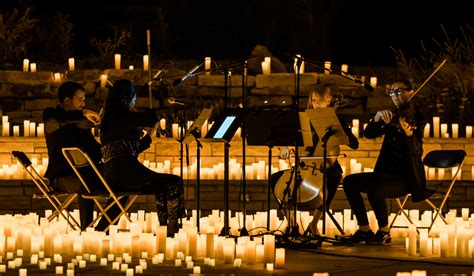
73 185
127 174
378 186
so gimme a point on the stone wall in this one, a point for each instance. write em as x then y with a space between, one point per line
16 195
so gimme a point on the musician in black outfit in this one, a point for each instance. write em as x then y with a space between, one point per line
69 125
124 134
399 169
320 97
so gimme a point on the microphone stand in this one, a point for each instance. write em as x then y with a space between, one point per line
243 230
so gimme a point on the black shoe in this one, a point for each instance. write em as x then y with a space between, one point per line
381 237
360 236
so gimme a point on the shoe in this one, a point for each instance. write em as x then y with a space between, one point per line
360 236
381 237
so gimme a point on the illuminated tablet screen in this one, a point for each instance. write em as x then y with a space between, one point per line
224 126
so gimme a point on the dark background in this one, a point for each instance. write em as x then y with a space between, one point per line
344 31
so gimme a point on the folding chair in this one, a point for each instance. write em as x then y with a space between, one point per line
80 160
60 207
441 159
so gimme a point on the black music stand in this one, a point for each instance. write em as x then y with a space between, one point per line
327 125
193 134
222 131
276 127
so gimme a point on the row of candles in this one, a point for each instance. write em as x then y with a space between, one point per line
21 236
29 128
436 129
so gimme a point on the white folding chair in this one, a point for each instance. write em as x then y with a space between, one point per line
80 160
47 191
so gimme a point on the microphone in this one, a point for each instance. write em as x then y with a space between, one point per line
155 77
178 81
173 101
364 84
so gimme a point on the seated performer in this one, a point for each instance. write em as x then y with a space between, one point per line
322 98
124 134
399 169
69 125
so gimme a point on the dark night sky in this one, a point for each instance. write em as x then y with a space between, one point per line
345 31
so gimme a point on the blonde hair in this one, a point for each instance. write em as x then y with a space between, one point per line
321 91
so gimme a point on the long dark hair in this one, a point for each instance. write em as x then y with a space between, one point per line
121 93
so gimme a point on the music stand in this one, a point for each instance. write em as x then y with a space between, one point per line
192 134
276 127
222 131
327 125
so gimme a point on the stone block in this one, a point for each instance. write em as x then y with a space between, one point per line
7 76
219 81
7 145
284 79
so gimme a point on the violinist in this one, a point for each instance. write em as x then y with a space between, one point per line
322 98
399 169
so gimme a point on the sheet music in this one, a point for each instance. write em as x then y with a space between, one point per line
323 118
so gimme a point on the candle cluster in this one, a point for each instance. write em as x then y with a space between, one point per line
53 245
29 128
440 130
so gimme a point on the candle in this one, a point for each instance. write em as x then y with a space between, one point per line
440 173
455 130
269 243
59 270
431 173
468 131
16 131
373 82
412 235
23 272
355 127
33 67
6 129
444 249
295 65
250 252
444 130
26 65
117 59
163 124
103 80
210 243
174 128
207 65
280 257
26 128
344 69
426 131
327 67
40 130
424 243
131 68
145 63
269 266
71 64
197 270
129 272
32 129
57 77
265 68
436 127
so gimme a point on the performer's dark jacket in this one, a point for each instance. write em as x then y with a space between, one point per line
400 154
67 128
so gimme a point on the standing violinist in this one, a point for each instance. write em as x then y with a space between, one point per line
399 169
322 98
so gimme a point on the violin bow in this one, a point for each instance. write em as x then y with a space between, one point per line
426 81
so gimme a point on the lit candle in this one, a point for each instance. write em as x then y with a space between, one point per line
103 80
32 129
26 128
250 252
33 67
207 64
23 272
57 77
59 270
269 243
373 82
16 131
295 65
5 129
269 266
40 130
355 127
426 131
444 248
131 68
71 63
327 67
210 243
465 214
440 173
455 130
424 243
412 235
197 270
344 69
431 173
436 127
26 65
118 58
145 63
280 257
265 68
175 128
444 130
468 131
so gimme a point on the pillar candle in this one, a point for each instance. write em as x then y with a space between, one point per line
26 65
57 77
455 130
444 249
327 67
40 130
163 124
412 236
344 69
33 67
424 243
210 243
468 131
207 65
6 129
26 128
426 131
250 252
444 130
436 127
355 127
145 63
431 173
265 68
103 80
71 63
441 173
117 59
280 257
131 68
373 82
175 130
269 243
16 131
